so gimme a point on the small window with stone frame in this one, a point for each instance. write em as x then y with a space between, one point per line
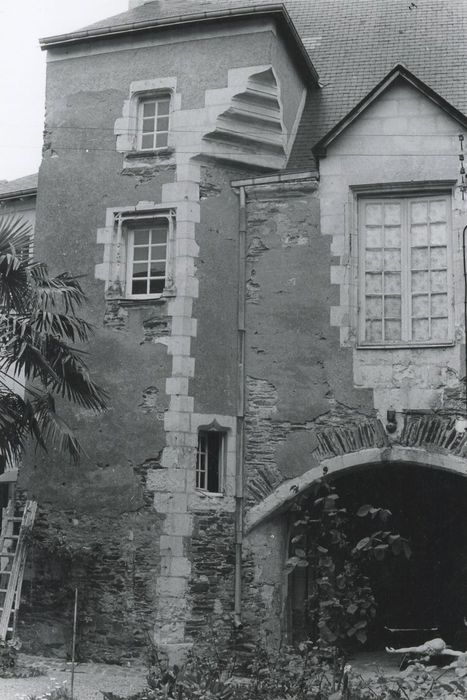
153 122
210 460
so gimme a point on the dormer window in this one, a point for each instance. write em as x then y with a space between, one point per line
153 122
405 270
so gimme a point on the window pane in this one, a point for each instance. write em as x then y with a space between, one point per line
163 106
373 331
141 237
214 460
420 305
201 462
156 286
159 233
374 307
439 329
140 253
149 109
139 287
392 237
438 234
439 281
161 140
392 307
374 237
157 269
147 141
438 258
419 281
392 260
438 210
392 282
162 124
374 260
439 305
158 252
419 212
419 258
374 214
148 126
392 330
374 283
420 329
420 235
392 214
140 270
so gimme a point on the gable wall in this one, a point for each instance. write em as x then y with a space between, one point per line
402 137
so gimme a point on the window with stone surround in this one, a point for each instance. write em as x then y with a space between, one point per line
143 247
153 122
210 460
405 270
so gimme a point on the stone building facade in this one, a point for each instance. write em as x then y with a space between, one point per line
262 310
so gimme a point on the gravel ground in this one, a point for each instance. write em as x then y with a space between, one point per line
90 679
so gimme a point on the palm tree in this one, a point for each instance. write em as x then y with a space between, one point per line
39 362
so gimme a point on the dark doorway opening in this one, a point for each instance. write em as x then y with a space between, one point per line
424 596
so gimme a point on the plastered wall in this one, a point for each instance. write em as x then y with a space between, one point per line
149 553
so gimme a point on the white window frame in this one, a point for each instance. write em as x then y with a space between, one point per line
147 99
127 223
406 312
221 458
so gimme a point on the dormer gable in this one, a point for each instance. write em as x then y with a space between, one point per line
398 75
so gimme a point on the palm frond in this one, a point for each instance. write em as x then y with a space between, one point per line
37 321
49 427
15 236
13 424
61 325
15 241
74 380
63 290
22 355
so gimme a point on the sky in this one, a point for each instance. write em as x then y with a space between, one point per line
22 71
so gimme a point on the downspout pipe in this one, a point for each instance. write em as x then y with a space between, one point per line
240 447
464 232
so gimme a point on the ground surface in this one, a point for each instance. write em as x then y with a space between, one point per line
90 679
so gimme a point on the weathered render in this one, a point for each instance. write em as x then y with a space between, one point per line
259 334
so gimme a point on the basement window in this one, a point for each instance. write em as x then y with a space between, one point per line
405 270
153 122
210 459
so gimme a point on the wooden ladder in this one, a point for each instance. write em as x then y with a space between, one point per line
13 549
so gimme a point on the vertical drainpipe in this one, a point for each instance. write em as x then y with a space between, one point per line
240 410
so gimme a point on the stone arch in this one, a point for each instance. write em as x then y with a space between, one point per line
283 495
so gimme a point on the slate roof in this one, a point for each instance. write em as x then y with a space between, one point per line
353 44
23 186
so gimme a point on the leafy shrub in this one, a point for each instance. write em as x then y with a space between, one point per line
340 604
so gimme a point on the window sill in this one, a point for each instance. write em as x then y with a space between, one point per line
162 153
209 494
407 346
168 293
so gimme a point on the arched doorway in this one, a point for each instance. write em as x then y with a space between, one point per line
424 596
